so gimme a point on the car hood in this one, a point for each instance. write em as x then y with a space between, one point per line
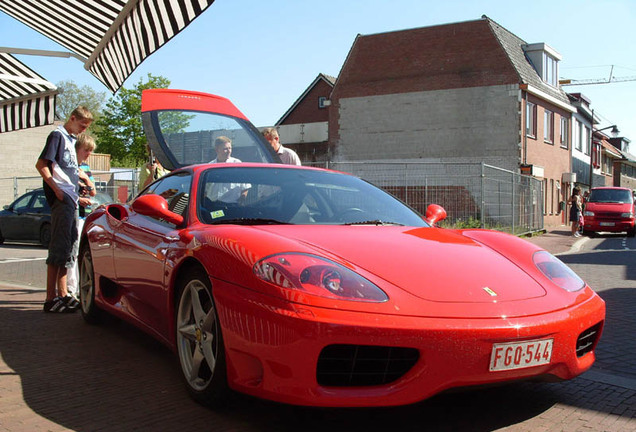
433 264
608 207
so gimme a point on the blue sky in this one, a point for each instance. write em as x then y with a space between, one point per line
263 54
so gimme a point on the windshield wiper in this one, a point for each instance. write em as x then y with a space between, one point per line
252 221
374 222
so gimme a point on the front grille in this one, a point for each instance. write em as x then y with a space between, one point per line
608 215
363 365
587 340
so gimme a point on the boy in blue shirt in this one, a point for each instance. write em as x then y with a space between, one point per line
58 167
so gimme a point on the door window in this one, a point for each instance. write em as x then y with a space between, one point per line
175 189
22 204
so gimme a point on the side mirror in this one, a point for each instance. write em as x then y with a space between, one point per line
6 207
156 206
435 213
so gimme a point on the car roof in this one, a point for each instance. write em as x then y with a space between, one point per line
612 187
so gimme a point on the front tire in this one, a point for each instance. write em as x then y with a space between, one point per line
199 341
90 312
45 235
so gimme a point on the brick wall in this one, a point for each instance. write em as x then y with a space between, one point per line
307 110
554 159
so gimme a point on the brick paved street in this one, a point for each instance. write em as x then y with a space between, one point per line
59 374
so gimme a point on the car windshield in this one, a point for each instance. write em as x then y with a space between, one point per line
610 196
269 195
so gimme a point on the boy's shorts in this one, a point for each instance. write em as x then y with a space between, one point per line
64 240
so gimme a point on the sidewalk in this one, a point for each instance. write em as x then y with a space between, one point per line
558 240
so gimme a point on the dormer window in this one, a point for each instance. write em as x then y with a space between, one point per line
550 70
545 61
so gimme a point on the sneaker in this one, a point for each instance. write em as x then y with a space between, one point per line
71 301
58 305
576 234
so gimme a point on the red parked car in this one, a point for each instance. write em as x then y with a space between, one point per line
313 287
609 209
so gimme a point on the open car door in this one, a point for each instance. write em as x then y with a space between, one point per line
181 127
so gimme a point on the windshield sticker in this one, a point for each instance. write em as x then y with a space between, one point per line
217 214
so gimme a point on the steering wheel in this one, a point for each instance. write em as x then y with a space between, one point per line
351 211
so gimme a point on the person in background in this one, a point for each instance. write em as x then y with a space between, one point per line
576 210
151 170
223 148
227 192
84 146
287 156
57 164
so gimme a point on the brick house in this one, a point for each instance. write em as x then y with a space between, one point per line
624 172
303 127
468 91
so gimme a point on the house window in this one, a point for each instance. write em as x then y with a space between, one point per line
548 126
587 141
596 151
531 116
565 132
551 196
545 196
550 70
607 164
323 102
578 135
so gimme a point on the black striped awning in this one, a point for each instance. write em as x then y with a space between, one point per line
26 99
112 37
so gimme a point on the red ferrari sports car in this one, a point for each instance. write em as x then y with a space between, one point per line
313 287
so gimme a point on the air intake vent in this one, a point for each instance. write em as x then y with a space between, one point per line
363 365
587 340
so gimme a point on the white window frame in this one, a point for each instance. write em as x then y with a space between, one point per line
578 132
531 115
550 70
564 133
548 126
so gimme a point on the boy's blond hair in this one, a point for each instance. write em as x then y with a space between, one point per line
82 113
86 142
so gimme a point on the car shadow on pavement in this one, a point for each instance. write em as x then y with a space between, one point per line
607 257
114 377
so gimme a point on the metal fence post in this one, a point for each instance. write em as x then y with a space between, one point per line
482 215
512 199
426 201
407 197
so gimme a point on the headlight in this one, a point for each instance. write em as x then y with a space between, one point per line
588 213
317 276
627 215
554 269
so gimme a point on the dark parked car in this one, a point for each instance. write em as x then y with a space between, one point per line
28 218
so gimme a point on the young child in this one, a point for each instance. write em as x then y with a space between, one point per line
84 146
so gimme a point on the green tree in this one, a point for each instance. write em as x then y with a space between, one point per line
71 96
120 132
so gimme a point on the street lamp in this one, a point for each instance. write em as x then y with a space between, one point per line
614 132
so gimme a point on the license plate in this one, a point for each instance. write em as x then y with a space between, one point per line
518 355
607 223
